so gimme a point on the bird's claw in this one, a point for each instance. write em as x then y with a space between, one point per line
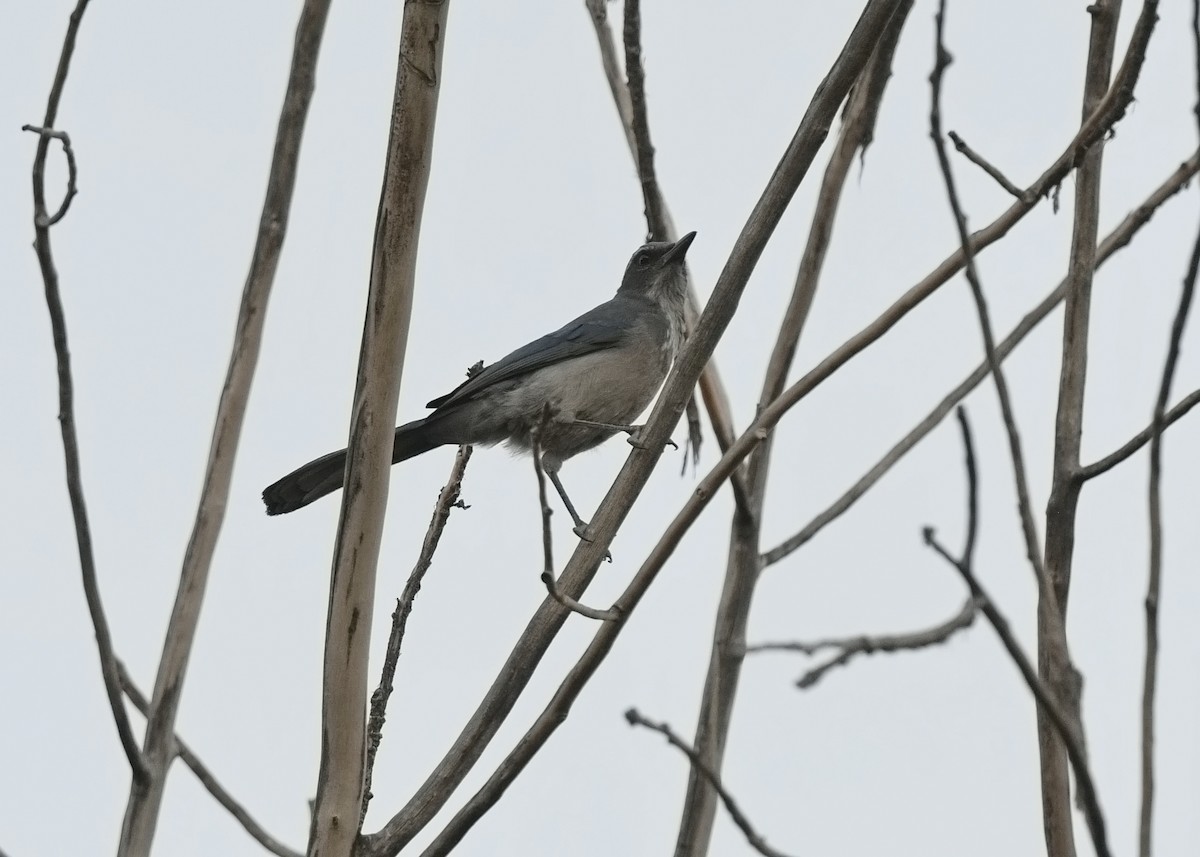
635 440
580 530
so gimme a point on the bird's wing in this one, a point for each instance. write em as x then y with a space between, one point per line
596 330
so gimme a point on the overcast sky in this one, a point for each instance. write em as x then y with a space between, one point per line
532 212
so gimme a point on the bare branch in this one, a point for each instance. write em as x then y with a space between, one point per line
712 390
448 498
1108 462
1064 720
515 673
141 811
644 154
598 9
757 842
978 160
536 455
850 647
342 778
1053 656
942 61
72 174
1154 585
1116 240
42 222
206 777
610 615
743 565
547 576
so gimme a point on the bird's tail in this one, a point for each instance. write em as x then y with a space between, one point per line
324 475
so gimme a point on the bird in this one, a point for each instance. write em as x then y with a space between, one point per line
566 392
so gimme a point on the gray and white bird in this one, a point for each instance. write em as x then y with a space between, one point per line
576 387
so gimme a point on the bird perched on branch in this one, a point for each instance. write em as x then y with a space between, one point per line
569 391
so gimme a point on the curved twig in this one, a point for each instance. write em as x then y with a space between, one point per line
42 222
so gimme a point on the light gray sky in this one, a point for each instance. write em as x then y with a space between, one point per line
532 212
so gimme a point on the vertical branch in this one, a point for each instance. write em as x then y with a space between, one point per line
340 783
1053 661
42 221
743 564
712 390
141 811
1154 585
644 154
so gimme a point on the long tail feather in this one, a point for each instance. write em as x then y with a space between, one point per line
325 475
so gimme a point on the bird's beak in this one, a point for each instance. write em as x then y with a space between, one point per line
676 253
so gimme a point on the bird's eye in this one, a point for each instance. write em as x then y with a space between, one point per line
642 259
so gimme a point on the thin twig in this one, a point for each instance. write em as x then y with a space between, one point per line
612 614
636 77
1154 585
941 62
448 498
1119 238
1108 462
547 576
978 160
850 647
142 808
206 777
72 174
535 436
598 9
757 842
1069 728
66 399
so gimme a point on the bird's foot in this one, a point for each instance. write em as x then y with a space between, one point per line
580 529
635 439
634 431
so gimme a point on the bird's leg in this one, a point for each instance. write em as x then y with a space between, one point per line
634 431
580 523
580 528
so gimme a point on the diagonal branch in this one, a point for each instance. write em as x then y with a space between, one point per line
1119 238
743 566
142 808
206 777
543 627
1063 719
978 160
447 499
850 647
942 61
42 222
1108 462
757 842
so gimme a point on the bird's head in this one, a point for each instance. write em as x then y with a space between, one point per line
656 270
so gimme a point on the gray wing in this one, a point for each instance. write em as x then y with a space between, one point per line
606 326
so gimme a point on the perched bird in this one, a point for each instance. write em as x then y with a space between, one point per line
575 387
